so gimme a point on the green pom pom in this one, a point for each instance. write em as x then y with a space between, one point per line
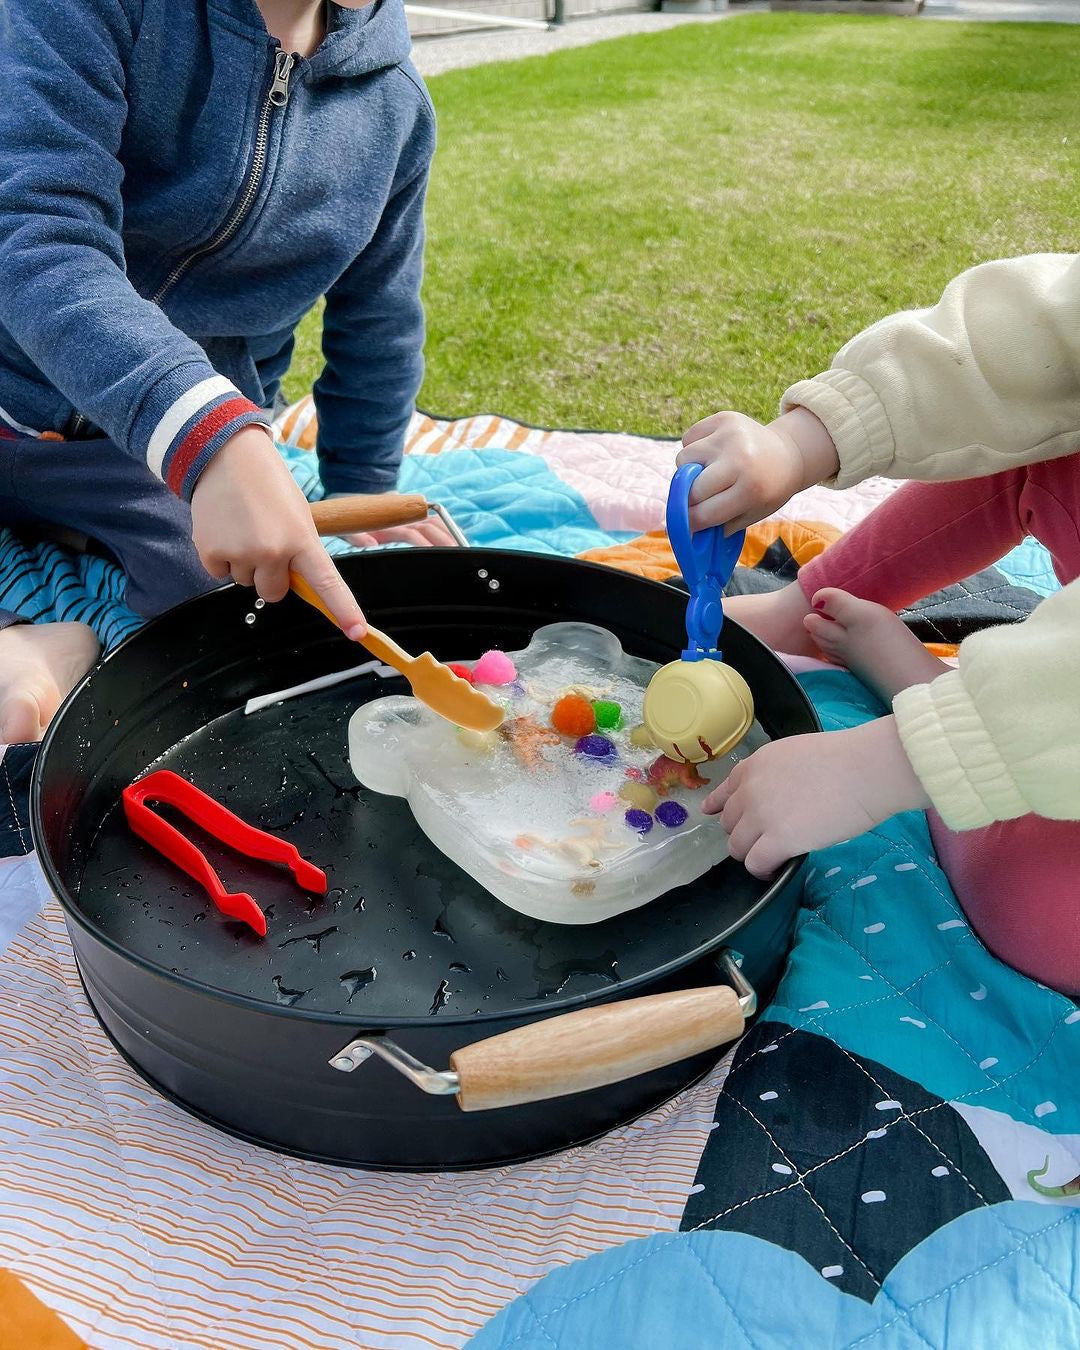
608 715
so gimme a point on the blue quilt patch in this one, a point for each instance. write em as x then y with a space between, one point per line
1028 564
500 499
503 499
1002 1276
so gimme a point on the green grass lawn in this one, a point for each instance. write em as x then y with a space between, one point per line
634 234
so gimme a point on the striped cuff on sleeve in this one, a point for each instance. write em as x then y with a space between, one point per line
194 427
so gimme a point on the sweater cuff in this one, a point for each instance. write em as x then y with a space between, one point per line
954 755
183 425
854 417
9 620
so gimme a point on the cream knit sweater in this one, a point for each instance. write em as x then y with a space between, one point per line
986 380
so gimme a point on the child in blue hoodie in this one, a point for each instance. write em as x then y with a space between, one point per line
180 181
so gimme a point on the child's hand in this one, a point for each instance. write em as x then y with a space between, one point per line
808 792
250 521
752 469
430 533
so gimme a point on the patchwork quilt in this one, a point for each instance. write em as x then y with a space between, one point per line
891 1156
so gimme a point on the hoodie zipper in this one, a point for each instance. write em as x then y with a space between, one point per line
277 96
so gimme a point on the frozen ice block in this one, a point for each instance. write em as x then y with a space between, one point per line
529 816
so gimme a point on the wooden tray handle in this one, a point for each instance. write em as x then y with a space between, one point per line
344 515
594 1047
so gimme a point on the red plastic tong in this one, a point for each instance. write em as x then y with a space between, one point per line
168 787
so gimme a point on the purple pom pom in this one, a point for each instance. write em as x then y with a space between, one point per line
672 814
595 747
639 821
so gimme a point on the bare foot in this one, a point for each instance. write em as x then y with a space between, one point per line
39 666
777 618
871 642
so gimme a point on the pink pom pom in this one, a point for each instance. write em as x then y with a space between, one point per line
494 668
604 801
635 775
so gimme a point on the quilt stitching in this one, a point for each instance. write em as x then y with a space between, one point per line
800 1177
955 1284
991 1083
14 808
908 1117
723 1297
540 1324
903 1314
798 1183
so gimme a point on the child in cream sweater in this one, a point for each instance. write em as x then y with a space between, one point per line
979 398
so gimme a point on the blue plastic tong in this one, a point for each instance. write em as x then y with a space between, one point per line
707 559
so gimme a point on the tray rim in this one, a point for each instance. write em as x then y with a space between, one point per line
293 1013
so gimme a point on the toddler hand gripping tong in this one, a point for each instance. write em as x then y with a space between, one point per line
699 708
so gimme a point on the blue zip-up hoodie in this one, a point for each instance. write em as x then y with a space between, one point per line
176 192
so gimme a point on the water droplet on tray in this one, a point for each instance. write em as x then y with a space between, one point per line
410 955
315 939
355 980
554 979
286 996
442 997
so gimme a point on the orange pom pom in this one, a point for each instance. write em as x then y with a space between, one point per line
573 716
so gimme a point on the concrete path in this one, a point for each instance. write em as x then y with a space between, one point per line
1001 11
433 55
453 51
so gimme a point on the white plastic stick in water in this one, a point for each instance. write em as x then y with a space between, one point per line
322 682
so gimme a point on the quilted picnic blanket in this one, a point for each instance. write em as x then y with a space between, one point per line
891 1156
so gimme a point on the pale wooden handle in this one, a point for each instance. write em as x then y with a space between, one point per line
343 515
594 1047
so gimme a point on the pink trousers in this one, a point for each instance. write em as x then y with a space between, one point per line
1018 881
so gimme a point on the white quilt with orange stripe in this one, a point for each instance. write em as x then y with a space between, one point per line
144 1228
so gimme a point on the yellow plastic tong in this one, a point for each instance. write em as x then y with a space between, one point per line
433 683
